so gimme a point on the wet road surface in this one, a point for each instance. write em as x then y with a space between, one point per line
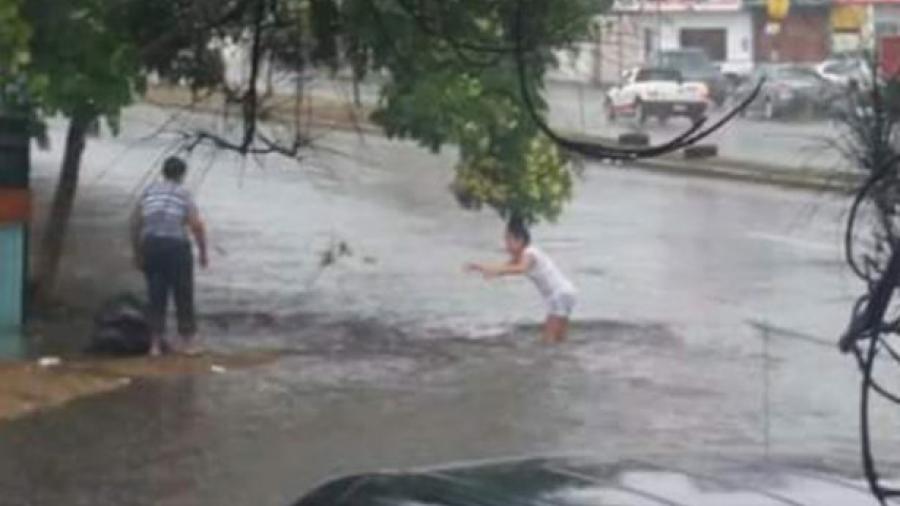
399 359
793 144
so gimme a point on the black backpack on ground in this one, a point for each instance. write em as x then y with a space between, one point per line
121 327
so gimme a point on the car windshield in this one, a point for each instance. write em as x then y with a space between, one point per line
842 67
798 74
687 59
657 75
248 244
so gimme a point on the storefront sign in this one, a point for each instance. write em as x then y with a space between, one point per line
676 5
848 17
866 2
778 9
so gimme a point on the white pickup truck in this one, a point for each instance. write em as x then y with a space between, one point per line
656 92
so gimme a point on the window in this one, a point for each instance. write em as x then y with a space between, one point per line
649 43
658 75
713 41
883 28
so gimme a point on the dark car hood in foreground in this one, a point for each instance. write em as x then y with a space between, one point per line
583 482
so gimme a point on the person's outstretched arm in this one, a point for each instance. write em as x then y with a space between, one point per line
513 268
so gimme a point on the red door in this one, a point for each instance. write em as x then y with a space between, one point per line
889 56
804 37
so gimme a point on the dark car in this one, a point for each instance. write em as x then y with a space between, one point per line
789 90
695 65
584 482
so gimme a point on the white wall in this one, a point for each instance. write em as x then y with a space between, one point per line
575 66
739 27
620 45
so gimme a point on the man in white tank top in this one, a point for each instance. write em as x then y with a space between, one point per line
528 260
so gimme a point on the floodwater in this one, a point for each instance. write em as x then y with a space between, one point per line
396 358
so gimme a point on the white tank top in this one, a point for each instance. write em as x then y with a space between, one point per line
545 275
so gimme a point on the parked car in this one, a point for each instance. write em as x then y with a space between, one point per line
586 482
789 90
656 92
695 65
845 70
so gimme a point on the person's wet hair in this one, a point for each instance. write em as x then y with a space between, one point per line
519 230
174 168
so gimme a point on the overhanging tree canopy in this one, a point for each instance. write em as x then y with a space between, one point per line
462 72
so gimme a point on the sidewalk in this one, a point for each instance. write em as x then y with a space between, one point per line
29 387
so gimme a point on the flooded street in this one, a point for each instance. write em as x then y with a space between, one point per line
395 358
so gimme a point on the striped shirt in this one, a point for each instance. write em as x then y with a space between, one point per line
165 208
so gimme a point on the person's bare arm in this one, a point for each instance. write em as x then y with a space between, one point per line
198 230
512 268
135 224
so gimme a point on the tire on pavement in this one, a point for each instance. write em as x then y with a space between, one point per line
637 139
700 151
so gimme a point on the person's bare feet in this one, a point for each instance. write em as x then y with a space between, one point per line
191 347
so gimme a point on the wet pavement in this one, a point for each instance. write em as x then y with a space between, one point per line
802 144
398 359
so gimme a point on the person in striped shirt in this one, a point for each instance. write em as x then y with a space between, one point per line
164 219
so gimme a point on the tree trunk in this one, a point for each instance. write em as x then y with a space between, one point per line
54 236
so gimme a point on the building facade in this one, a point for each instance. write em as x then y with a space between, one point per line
858 25
722 28
803 37
735 34
15 211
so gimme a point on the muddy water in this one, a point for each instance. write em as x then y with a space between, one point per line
399 359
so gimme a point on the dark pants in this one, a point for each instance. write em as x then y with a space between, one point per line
169 268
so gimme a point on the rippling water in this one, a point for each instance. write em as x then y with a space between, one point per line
398 358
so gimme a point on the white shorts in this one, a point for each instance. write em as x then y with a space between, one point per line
561 304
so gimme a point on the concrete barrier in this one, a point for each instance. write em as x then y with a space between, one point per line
700 151
634 139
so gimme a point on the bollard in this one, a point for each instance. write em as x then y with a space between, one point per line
15 214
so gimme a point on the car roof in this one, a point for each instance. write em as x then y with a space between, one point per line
587 482
655 68
775 67
684 50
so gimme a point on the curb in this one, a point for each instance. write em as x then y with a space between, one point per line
717 168
736 170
